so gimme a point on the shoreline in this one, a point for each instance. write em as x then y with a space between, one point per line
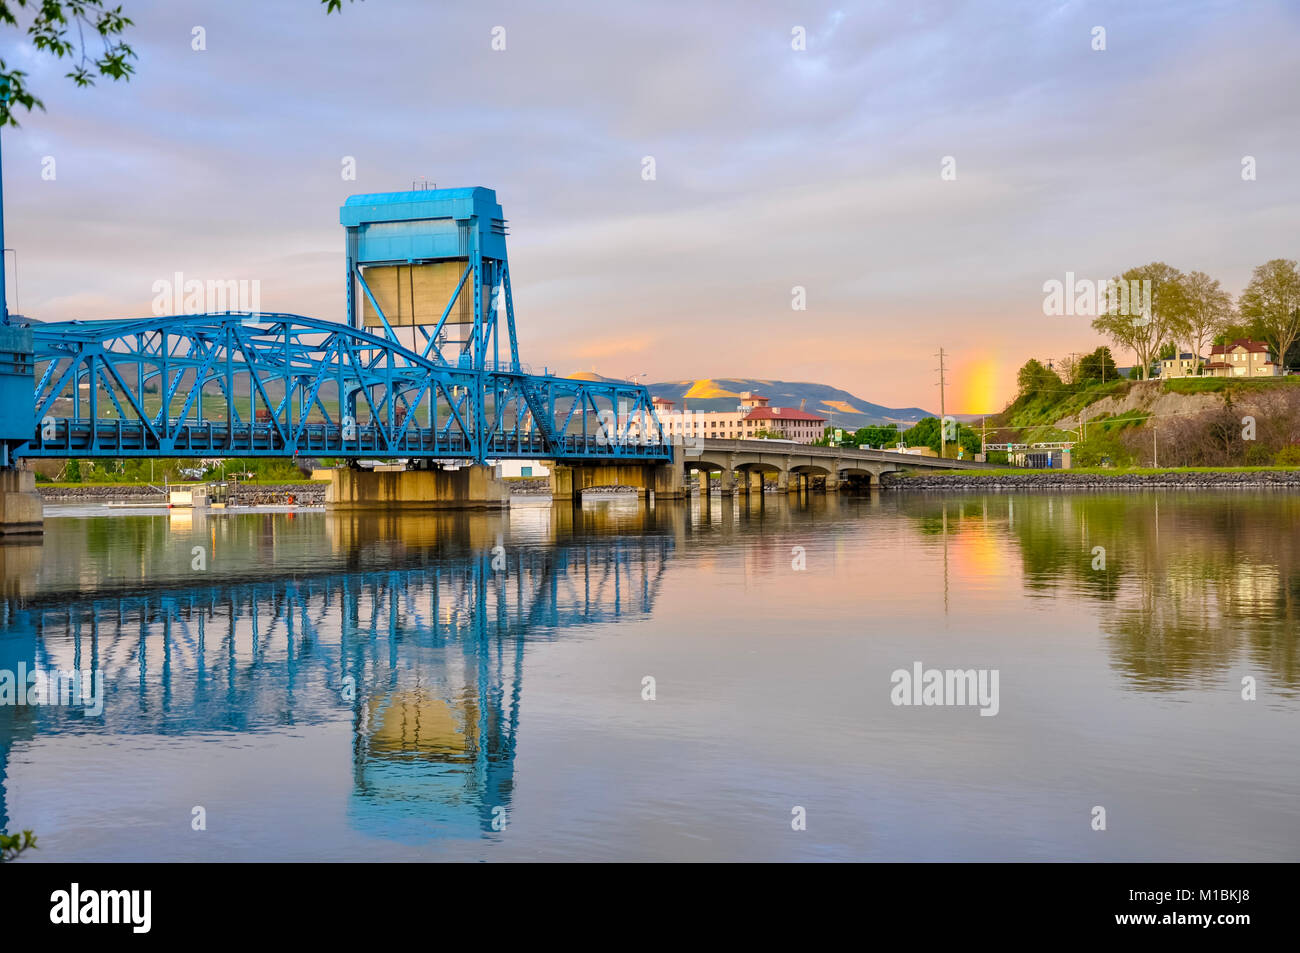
1067 480
313 494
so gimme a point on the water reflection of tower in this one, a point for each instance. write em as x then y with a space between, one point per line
17 723
434 738
437 658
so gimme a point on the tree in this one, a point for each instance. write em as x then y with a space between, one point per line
1097 366
1271 304
1036 378
1070 369
925 433
876 435
1206 309
1143 329
66 29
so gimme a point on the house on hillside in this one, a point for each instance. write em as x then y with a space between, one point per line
1184 365
1242 358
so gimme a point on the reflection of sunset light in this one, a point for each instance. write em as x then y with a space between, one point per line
978 554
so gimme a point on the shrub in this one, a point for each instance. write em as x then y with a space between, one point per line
1258 455
1288 457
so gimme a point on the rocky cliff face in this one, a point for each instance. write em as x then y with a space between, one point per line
1146 397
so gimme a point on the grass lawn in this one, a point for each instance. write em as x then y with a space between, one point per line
1096 471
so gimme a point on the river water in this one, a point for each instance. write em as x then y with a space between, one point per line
670 682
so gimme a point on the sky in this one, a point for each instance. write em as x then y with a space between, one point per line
775 168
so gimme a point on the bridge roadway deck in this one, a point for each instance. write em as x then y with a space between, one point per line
778 453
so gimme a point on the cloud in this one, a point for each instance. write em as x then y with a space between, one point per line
775 167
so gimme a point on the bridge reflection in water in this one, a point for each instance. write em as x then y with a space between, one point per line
424 655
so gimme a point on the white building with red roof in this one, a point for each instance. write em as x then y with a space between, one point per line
751 418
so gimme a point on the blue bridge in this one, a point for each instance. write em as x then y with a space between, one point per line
426 367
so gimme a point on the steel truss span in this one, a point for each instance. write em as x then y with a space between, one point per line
278 385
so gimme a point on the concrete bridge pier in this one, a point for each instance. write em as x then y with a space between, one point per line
666 481
753 481
833 479
476 487
728 480
21 511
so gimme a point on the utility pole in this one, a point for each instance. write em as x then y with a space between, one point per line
984 427
1155 445
943 413
4 297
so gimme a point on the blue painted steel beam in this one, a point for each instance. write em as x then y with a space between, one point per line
262 378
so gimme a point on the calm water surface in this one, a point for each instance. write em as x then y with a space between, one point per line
373 688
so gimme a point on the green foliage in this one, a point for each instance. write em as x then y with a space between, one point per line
11 845
1143 329
924 433
1097 366
66 29
264 469
1288 457
927 431
159 470
1230 385
1270 305
1100 449
877 435
1205 310
1258 455
1036 378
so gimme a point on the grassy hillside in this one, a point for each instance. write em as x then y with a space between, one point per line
1184 421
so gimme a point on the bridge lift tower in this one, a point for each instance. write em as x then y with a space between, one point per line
433 261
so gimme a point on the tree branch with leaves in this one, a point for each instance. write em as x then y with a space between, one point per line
1144 330
1271 304
88 33
85 32
1206 309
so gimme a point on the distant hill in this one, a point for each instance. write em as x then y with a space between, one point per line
839 407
